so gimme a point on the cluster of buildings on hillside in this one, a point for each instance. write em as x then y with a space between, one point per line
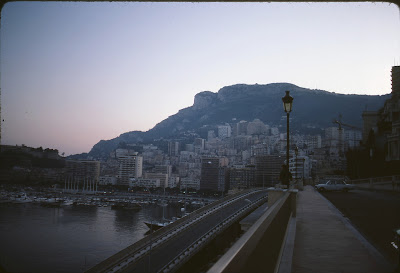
240 155
249 155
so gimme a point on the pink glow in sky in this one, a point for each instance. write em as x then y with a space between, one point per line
74 73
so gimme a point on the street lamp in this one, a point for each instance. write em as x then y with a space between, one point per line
304 164
296 151
287 106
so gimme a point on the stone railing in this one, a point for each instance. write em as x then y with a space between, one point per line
261 248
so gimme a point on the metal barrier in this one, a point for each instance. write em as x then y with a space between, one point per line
376 180
391 183
260 248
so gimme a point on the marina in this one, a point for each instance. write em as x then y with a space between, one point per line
73 232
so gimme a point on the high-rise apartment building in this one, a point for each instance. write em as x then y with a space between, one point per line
199 144
214 174
81 169
173 148
82 175
130 165
268 168
224 131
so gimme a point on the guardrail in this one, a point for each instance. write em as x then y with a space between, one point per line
377 180
140 248
389 183
260 248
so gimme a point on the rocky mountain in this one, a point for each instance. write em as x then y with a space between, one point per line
231 104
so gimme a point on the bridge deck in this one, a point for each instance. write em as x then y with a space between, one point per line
327 242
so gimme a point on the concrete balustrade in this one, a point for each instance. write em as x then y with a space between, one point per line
261 247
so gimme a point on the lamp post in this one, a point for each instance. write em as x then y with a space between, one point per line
296 151
304 164
287 106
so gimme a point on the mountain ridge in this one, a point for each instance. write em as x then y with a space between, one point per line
311 107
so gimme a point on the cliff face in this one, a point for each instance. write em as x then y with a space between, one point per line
311 108
204 99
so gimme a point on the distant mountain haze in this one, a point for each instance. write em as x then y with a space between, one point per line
312 110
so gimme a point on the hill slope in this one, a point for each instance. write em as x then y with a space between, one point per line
247 102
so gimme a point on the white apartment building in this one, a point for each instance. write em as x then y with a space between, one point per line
130 165
144 182
224 131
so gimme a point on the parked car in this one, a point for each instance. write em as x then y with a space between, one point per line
334 185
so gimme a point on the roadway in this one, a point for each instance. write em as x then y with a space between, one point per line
158 257
374 214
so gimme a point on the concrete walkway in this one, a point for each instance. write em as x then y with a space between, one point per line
327 242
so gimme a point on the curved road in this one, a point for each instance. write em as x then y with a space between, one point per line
163 254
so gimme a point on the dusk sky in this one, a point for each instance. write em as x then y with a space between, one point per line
74 73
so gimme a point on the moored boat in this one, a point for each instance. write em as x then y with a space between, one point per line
157 225
50 203
21 198
126 206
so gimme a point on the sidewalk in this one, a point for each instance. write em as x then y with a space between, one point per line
326 242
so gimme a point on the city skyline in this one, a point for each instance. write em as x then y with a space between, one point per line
76 73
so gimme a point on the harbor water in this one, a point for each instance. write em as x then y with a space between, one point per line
71 239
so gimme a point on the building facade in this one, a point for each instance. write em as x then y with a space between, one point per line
268 168
214 175
224 131
162 177
242 178
130 165
82 175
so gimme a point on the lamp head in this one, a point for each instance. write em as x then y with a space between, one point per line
287 102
